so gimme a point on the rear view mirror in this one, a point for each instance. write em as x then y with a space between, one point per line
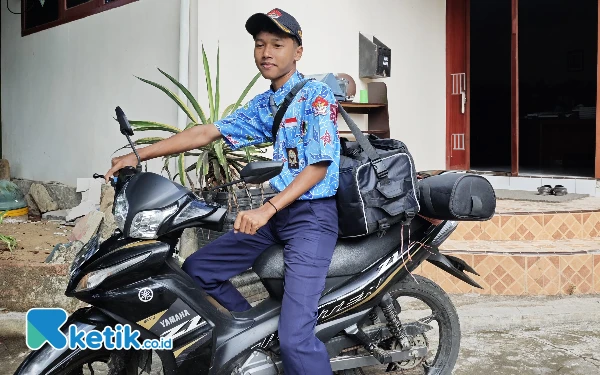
260 171
123 122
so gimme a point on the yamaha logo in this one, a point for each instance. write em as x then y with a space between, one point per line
145 294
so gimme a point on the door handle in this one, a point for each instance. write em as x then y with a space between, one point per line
463 101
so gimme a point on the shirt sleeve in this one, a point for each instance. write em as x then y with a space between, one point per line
322 136
243 127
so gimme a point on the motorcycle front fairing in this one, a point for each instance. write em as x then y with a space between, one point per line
48 360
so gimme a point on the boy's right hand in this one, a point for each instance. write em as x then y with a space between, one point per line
118 163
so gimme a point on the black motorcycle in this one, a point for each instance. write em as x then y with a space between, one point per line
373 312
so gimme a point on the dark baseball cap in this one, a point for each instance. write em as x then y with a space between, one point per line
278 17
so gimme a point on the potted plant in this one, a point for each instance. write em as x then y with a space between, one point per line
215 164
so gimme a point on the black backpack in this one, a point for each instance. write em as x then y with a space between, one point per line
377 179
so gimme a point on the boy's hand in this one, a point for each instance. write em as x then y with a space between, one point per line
250 221
119 163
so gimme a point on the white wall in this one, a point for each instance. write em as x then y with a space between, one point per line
413 29
60 86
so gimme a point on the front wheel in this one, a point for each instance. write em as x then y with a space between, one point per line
422 300
113 363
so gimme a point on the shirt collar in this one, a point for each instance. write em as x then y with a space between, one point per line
280 94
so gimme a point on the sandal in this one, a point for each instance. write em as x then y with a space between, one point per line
559 190
545 190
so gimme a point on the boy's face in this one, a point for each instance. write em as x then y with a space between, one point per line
275 55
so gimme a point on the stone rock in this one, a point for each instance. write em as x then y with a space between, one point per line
107 198
64 253
23 184
4 170
82 209
55 215
34 210
188 242
41 197
65 196
108 226
87 227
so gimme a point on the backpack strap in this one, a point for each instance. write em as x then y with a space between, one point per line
378 164
284 106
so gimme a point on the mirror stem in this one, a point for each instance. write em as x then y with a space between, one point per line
139 166
227 184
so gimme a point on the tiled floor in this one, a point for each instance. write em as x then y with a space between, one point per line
523 274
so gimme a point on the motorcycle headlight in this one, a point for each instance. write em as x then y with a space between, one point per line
93 279
86 252
121 209
145 224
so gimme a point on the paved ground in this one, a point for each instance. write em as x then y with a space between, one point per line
501 336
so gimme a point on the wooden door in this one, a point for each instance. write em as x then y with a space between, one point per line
457 85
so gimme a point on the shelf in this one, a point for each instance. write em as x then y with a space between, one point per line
376 110
363 108
362 105
365 131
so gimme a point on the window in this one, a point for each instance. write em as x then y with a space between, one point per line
38 15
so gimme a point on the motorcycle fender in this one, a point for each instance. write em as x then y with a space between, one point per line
47 360
453 266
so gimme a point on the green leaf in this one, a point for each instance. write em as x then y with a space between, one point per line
143 141
191 125
188 95
228 110
171 95
215 115
150 125
245 92
221 158
217 169
202 164
166 166
181 168
209 90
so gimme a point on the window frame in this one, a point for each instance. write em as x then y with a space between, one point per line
69 15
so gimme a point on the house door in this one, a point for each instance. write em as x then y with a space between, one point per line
530 84
457 88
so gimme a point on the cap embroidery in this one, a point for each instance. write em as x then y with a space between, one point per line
274 13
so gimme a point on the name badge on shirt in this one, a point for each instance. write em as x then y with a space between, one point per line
292 154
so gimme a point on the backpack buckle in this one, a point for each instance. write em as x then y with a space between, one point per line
380 168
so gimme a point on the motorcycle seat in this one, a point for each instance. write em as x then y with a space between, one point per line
351 256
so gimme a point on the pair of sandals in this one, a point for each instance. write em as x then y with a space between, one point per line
557 190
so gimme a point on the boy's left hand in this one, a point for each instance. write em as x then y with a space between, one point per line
250 221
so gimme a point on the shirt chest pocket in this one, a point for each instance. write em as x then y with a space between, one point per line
292 132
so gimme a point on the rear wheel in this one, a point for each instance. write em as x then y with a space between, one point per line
420 299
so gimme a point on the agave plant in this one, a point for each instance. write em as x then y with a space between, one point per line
216 163
9 241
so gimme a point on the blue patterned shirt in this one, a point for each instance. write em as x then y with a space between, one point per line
308 133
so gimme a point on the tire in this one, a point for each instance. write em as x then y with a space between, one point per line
447 320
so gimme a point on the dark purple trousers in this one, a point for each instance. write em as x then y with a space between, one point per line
308 230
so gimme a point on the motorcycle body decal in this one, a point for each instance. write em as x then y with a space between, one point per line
151 320
351 297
